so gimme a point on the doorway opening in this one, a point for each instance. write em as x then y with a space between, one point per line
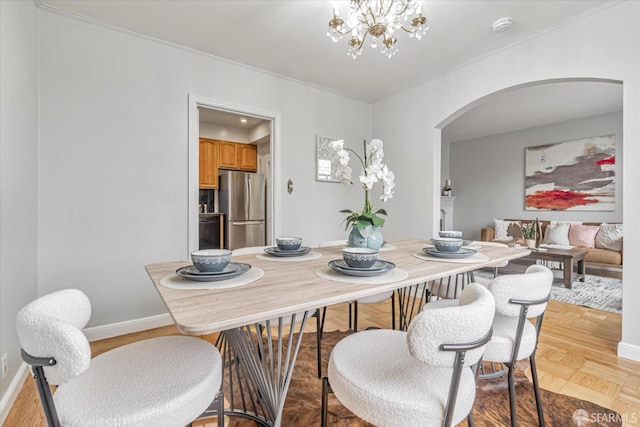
482 151
232 125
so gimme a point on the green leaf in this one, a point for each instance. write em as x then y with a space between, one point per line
346 211
378 222
381 212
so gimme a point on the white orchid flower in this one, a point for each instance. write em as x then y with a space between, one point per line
344 174
368 180
337 145
373 170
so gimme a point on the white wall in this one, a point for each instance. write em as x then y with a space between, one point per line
488 173
409 156
445 164
603 45
114 197
18 173
260 131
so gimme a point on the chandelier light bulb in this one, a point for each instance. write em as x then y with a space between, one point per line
378 18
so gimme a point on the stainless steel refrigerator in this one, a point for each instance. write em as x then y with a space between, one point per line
241 197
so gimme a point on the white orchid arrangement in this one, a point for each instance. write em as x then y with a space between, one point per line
373 170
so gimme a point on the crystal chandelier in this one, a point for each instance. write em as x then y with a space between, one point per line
380 19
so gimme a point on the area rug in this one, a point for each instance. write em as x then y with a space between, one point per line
302 407
602 293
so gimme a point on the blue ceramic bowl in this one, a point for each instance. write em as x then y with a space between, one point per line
447 244
207 260
360 257
288 243
449 233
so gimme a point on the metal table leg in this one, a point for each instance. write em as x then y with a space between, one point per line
258 368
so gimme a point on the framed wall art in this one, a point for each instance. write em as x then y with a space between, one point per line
572 175
325 165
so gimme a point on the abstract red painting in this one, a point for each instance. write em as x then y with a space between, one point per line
572 175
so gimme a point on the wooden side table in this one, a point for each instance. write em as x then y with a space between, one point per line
568 258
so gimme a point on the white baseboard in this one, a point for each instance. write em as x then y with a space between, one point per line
629 351
9 398
127 327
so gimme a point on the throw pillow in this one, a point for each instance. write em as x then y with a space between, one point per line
583 235
609 237
556 222
505 230
557 234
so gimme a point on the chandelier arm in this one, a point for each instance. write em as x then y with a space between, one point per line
403 10
389 9
345 32
364 14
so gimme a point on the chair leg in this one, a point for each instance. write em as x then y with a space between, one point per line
350 315
326 389
393 310
355 316
319 326
536 389
220 398
45 396
470 421
512 395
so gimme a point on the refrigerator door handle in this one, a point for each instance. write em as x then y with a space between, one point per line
246 222
249 192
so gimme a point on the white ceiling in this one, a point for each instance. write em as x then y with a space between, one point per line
223 118
288 38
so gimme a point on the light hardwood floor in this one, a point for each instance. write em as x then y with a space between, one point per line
576 356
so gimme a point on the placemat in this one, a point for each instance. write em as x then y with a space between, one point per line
174 281
477 257
395 275
305 257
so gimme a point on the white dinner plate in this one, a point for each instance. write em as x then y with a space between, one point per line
239 268
275 251
461 253
361 272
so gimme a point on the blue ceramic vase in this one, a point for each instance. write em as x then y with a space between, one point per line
373 241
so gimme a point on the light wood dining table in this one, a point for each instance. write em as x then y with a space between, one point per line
287 288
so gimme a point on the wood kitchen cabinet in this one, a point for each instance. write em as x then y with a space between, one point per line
209 162
216 154
238 156
247 157
228 155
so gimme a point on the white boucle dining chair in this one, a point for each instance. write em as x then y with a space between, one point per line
518 297
373 299
422 377
164 381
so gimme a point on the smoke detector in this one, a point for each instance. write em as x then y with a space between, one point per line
502 24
